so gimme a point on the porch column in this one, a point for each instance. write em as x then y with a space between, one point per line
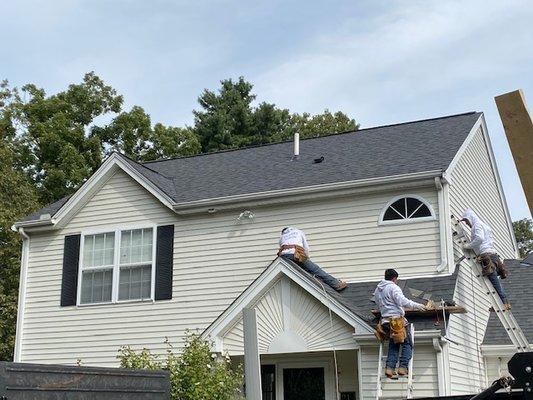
252 365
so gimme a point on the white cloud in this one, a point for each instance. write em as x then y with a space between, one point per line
416 59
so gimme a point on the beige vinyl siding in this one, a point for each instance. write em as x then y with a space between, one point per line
467 330
478 191
215 259
425 374
308 319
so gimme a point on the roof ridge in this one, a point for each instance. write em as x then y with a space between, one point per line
309 138
144 166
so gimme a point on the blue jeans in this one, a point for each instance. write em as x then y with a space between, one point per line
315 270
394 351
495 280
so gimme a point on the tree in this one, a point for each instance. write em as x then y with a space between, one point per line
195 374
132 134
523 230
228 120
17 199
53 134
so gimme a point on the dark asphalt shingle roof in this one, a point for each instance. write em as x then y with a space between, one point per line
410 147
518 287
357 296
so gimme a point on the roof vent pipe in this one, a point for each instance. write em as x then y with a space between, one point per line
296 154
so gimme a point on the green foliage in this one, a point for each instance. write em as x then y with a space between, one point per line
132 134
523 230
52 132
195 374
228 120
17 198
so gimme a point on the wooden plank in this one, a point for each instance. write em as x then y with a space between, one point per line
416 313
518 127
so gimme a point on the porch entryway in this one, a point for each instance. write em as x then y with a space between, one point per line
310 376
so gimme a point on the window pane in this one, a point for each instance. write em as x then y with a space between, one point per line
136 246
391 215
399 205
96 286
88 251
98 250
135 282
422 212
412 205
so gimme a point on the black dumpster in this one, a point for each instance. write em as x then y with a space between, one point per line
20 381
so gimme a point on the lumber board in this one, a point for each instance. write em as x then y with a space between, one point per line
416 313
518 126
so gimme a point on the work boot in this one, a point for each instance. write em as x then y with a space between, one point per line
341 286
507 306
391 373
402 371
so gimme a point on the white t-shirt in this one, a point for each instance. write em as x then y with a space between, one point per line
293 236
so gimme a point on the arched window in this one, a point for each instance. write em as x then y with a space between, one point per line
406 208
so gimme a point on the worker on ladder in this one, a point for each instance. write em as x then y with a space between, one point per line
482 244
293 246
393 324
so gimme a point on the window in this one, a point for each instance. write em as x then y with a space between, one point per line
117 266
408 208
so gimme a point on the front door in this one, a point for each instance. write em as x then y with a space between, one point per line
303 383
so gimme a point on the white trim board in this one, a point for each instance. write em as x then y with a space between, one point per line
114 163
261 285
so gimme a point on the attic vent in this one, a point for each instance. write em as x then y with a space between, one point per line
318 160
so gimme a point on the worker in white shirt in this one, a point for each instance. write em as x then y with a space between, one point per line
293 246
393 324
482 244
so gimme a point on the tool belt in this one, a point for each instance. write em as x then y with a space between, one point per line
487 266
299 252
491 262
394 329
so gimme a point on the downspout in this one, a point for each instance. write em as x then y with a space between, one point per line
442 188
442 371
22 293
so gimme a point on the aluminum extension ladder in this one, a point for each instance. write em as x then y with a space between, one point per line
381 374
506 316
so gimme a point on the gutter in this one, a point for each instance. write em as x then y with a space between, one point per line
34 223
227 202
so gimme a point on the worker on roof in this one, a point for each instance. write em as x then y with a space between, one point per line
393 324
482 244
293 246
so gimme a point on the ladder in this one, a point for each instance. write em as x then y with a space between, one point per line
506 316
381 374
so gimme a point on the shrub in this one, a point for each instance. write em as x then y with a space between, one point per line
195 374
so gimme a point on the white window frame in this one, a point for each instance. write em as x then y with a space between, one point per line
116 264
406 220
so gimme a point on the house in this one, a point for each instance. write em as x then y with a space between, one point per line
146 251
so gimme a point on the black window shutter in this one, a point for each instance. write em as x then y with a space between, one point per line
71 260
164 262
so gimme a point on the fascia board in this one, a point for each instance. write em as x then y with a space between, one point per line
91 186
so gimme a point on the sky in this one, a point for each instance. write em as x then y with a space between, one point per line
381 62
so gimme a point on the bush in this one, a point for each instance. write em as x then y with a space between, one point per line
195 374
